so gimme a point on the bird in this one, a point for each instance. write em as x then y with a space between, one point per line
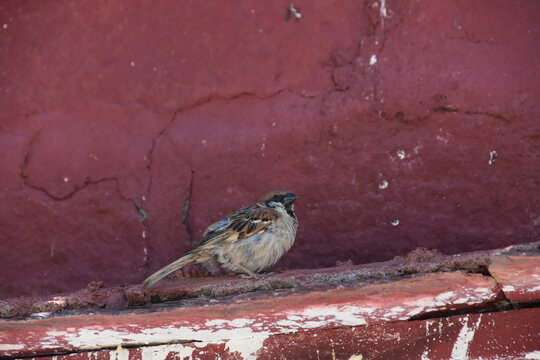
247 241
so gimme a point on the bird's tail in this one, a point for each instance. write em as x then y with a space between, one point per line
160 274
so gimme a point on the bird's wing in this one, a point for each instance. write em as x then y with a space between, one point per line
239 225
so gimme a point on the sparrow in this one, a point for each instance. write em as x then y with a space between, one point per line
247 241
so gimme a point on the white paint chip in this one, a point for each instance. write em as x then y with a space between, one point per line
492 157
295 12
535 355
372 60
7 347
162 352
460 351
119 354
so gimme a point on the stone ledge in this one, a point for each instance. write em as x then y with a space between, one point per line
255 316
421 261
519 277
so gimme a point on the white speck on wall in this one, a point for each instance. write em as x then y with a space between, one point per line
143 234
66 179
356 357
295 12
442 139
384 13
263 145
425 355
5 26
372 60
395 221
143 198
132 64
401 154
460 351
204 142
383 185
492 157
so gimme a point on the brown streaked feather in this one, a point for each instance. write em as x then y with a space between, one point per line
239 225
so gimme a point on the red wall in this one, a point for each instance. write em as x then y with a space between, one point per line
110 107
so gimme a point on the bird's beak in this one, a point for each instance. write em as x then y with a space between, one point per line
289 199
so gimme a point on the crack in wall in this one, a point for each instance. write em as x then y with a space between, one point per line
77 188
200 102
185 210
449 109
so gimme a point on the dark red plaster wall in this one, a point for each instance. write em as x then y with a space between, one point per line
108 108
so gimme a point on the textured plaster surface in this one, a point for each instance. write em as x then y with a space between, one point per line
399 124
513 272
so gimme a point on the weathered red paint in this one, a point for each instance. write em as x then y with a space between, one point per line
108 108
373 320
500 335
519 276
187 284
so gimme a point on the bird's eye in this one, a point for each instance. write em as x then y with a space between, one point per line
278 198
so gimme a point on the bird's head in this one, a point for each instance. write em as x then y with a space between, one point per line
282 198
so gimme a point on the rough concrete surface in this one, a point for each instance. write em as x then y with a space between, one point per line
399 124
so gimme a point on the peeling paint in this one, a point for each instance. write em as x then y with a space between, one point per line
4 347
162 352
461 346
119 354
535 355
508 288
